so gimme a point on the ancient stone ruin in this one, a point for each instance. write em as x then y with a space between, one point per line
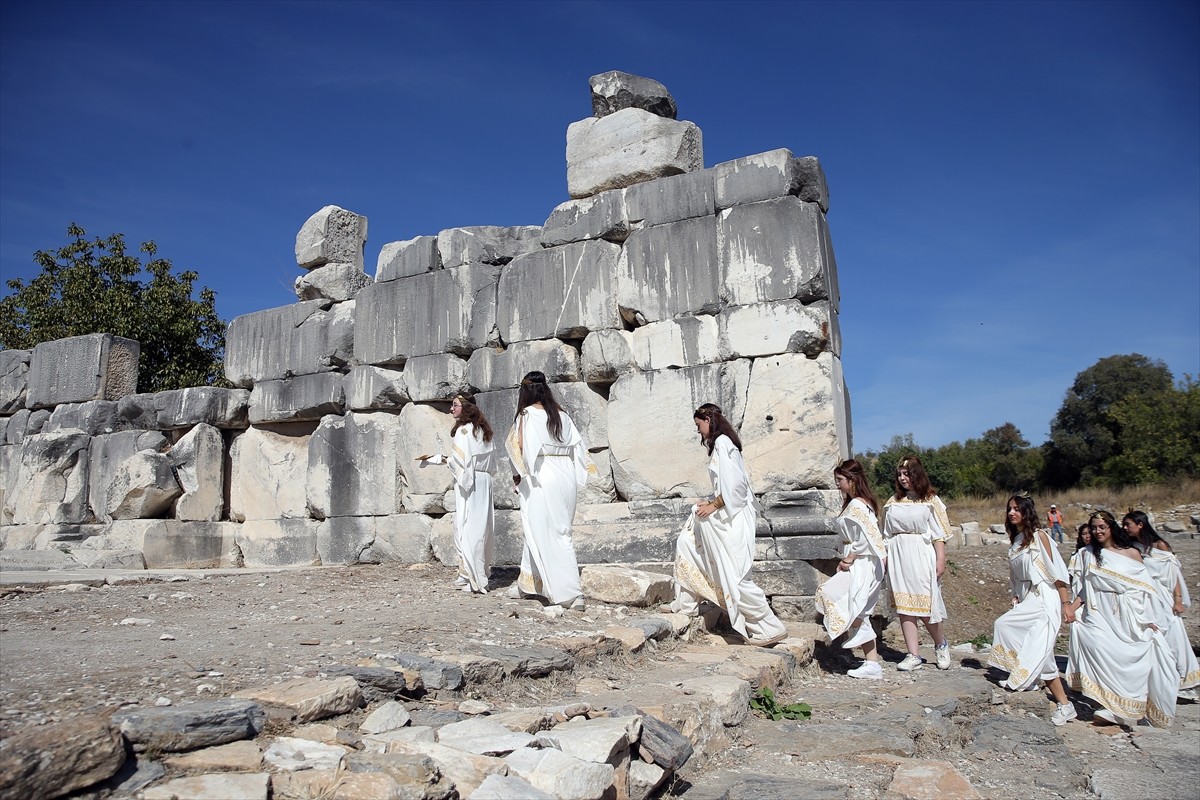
658 286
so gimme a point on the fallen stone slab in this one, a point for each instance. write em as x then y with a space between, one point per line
483 737
736 786
466 770
436 718
508 787
531 661
731 696
243 756
291 754
613 583
922 779
59 758
416 776
218 786
659 742
307 699
435 674
596 740
178 728
378 683
388 717
562 775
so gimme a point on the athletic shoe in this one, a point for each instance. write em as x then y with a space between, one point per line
766 642
864 634
910 663
1063 714
460 582
942 651
869 669
577 604
1105 715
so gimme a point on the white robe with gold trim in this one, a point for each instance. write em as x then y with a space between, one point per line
852 594
472 460
1024 636
910 528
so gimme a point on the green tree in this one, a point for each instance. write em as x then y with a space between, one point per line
94 286
1159 435
1084 434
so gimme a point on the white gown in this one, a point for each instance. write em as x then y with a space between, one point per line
472 460
1165 569
852 594
713 555
1024 636
910 528
552 472
1114 656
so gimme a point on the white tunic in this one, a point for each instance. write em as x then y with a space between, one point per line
472 460
1114 656
910 528
552 471
713 555
1024 636
852 594
1165 569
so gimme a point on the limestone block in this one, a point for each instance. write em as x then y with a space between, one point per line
400 538
599 741
51 479
561 775
124 534
444 311
506 787
213 786
645 778
775 250
240 756
509 538
486 244
407 258
671 343
730 695
562 292
304 398
10 460
188 727
586 407
671 199
278 542
331 234
613 583
762 176
616 90
199 462
628 147
209 405
655 451
92 558
607 355
306 699
490 368
300 339
600 488
398 775
601 216
268 468
796 548
466 770
793 434
788 578
106 453
143 486
94 417
173 544
14 379
59 758
137 411
435 377
98 366
423 430
352 466
372 388
335 281
626 542
812 188
342 540
482 736
669 270
17 537
784 326
803 511
290 754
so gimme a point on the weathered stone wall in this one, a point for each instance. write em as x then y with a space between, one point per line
660 286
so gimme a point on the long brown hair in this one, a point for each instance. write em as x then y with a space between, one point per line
918 478
1029 519
471 415
853 471
717 426
534 389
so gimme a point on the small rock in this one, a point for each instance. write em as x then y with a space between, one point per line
136 621
162 702
166 637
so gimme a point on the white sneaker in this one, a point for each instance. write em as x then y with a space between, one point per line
1190 695
864 634
869 669
942 651
1107 716
1063 714
577 604
514 592
910 663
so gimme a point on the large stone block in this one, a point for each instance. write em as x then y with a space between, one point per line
107 452
199 462
51 480
601 216
423 430
138 411
813 188
775 250
374 388
435 377
600 488
655 449
445 311
607 355
300 339
671 199
614 90
669 270
94 417
407 258
60 758
491 368
199 405
14 379
268 468
796 548
10 461
331 234
343 540
303 398
682 342
762 176
562 292
336 282
401 538
508 536
25 423
586 407
143 486
486 244
352 469
792 431
628 147
784 326
278 542
175 544
98 366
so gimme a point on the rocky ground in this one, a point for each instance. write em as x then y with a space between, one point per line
72 652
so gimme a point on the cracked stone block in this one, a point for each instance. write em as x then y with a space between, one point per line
669 270
601 216
491 369
671 199
486 244
673 343
300 339
268 465
198 405
14 379
615 90
783 326
407 258
278 542
77 369
50 484
374 388
628 147
332 234
352 466
304 398
436 377
334 281
560 292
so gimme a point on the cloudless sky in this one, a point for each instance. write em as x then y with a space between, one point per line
1015 187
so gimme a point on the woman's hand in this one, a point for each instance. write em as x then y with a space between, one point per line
1068 613
843 566
1014 601
1178 607
941 566
705 510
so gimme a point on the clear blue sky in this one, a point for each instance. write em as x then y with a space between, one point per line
1015 186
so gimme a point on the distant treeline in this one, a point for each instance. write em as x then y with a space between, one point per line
1124 421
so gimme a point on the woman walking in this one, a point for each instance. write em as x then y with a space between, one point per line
471 461
1038 585
550 465
847 599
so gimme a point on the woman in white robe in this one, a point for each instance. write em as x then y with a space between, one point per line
715 550
1117 655
848 598
550 465
1167 572
471 461
1024 637
914 527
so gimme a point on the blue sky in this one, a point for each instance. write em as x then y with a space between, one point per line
1015 187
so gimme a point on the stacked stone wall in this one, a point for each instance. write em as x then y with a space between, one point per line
659 286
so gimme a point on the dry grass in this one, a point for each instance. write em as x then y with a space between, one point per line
1152 498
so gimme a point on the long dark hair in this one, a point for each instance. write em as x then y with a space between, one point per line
717 426
1120 539
534 389
918 478
1079 531
853 471
1149 537
471 415
1029 519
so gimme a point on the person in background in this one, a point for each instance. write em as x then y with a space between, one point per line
1054 517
